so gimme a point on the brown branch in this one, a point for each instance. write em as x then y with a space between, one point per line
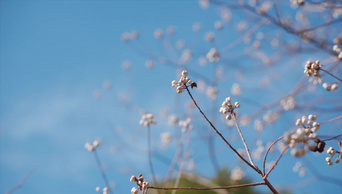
224 139
207 188
17 186
331 75
275 164
332 120
268 150
243 140
150 155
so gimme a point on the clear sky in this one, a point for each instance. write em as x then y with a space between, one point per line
54 55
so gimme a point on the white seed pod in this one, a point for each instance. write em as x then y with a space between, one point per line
229 99
312 117
334 87
326 86
237 104
229 117
298 122
185 73
328 159
174 83
224 103
337 160
287 138
304 119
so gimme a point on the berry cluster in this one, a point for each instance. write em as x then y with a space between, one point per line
92 146
147 119
227 107
181 84
312 68
186 124
329 87
142 184
331 151
105 190
337 46
303 135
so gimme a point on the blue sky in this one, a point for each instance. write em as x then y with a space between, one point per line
55 54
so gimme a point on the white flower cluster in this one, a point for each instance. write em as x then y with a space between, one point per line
181 84
147 119
126 36
303 135
166 139
211 92
92 146
257 153
209 36
186 56
227 107
337 48
173 120
237 174
186 124
331 151
142 184
312 68
288 103
213 55
329 87
236 89
105 190
158 34
298 167
270 117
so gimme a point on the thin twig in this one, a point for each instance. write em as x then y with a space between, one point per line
275 164
102 171
331 75
268 150
332 137
331 120
224 139
207 188
243 140
150 155
21 182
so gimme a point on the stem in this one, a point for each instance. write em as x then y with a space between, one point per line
17 186
208 188
331 75
331 120
230 146
268 150
270 186
150 155
102 171
243 140
275 164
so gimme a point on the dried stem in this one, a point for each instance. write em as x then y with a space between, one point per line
243 140
17 186
268 150
207 188
332 120
102 171
331 75
275 164
224 139
149 154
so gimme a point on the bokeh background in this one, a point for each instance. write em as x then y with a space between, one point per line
58 58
